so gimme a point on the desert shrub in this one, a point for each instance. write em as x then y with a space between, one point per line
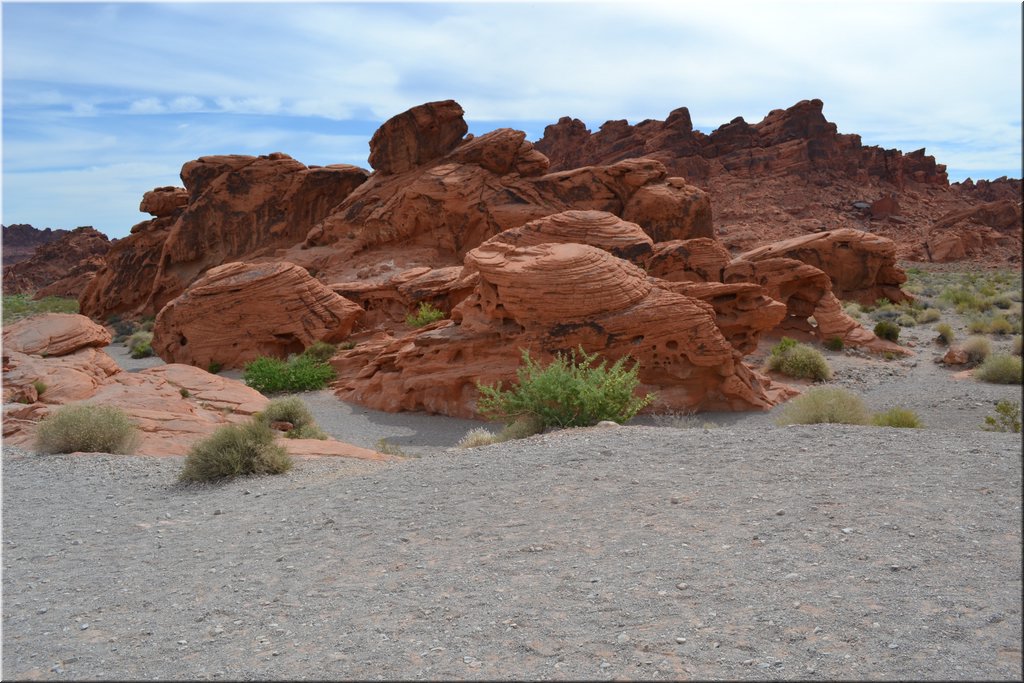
906 320
977 326
835 344
825 405
1016 348
978 348
300 373
87 428
1000 368
569 392
886 329
424 315
138 338
1006 419
477 437
185 393
798 360
999 325
519 428
40 387
214 367
18 306
928 315
897 417
235 450
853 309
388 448
320 351
1002 301
946 334
294 411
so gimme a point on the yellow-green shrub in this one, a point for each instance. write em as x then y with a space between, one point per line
86 428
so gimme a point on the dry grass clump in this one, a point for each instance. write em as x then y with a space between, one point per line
825 405
87 428
293 411
978 348
887 329
946 334
798 360
1000 368
140 344
897 417
236 450
929 315
520 428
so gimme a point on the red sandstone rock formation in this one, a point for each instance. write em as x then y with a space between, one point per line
238 208
62 267
793 173
238 312
173 405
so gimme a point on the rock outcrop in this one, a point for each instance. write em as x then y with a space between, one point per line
20 241
172 405
238 312
793 172
236 208
62 267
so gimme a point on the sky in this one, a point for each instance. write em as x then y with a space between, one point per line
105 101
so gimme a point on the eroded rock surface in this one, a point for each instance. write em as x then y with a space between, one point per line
239 311
62 267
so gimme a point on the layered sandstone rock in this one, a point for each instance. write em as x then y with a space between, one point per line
793 172
551 298
172 405
238 312
54 334
238 208
62 267
20 241
862 266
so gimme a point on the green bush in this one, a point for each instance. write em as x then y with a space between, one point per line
825 405
140 344
977 326
929 315
835 344
798 360
887 329
1006 419
87 428
897 417
295 412
40 387
18 306
978 349
300 373
214 367
138 338
946 334
320 351
1000 368
235 450
424 315
570 392
185 393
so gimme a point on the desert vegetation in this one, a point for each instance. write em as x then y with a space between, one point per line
1000 368
18 306
801 361
86 428
424 315
235 450
1006 418
574 390
304 372
293 411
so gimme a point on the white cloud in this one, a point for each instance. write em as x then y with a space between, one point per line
147 105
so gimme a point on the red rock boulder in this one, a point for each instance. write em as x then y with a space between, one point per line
240 311
54 334
62 267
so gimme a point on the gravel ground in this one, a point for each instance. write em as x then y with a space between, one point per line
743 550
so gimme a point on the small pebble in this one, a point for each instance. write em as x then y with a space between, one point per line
780 512
218 511
682 586
680 640
84 626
